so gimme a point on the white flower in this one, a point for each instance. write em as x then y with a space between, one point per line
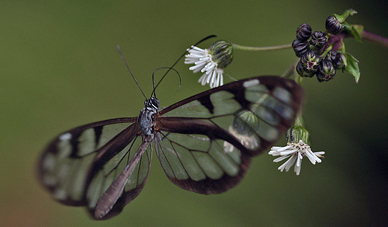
295 152
203 60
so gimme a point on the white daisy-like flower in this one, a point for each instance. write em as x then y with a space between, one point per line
295 152
203 60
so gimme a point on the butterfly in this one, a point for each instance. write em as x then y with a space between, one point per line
204 144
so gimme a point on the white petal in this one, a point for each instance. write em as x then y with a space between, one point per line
299 160
291 162
281 158
197 48
217 82
298 168
312 157
288 152
287 165
284 148
207 58
196 68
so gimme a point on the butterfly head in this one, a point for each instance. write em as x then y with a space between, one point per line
152 103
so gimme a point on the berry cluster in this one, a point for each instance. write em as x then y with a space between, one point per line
312 49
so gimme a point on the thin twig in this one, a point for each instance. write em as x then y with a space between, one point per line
372 37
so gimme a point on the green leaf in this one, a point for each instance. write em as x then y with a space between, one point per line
342 18
352 66
354 29
357 31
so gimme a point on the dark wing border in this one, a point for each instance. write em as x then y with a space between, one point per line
234 87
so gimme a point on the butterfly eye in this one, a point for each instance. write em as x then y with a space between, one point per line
152 102
155 102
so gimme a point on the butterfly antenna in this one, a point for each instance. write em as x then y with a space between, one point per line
153 78
121 54
173 65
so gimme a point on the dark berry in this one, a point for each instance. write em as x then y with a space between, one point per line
333 26
326 71
338 59
318 40
303 32
300 47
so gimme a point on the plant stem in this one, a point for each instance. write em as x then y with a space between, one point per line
372 37
290 69
280 47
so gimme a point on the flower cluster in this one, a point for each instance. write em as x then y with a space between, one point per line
314 50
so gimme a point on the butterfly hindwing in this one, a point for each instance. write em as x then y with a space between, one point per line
198 162
119 180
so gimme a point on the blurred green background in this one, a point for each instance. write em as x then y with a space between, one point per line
60 68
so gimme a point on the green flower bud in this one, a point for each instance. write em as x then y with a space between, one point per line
303 32
300 47
310 60
326 71
222 53
296 133
303 72
242 122
318 40
333 26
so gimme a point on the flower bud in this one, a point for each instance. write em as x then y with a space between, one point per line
296 133
300 47
243 120
318 40
326 71
303 72
303 32
339 61
331 55
310 60
333 26
222 53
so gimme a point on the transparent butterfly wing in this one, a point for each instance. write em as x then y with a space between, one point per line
198 163
79 165
209 149
107 175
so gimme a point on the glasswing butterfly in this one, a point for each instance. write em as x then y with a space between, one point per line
204 144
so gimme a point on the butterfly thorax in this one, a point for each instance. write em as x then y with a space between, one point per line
146 117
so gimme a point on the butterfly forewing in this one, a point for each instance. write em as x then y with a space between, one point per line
64 165
79 165
255 111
